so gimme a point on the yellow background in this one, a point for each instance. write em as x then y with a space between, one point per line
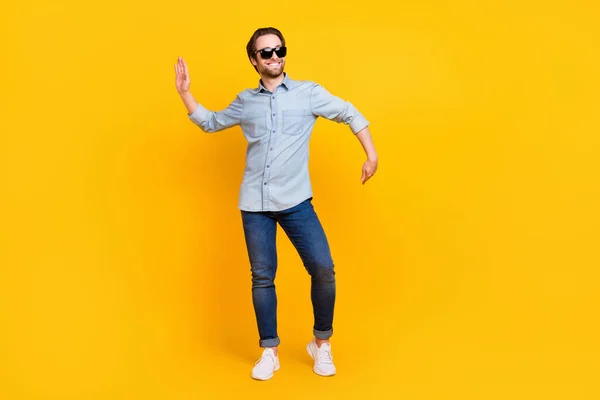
467 268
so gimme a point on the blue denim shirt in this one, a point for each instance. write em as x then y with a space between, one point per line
278 127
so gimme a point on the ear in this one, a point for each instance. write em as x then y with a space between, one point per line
253 61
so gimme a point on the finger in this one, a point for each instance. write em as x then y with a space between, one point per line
362 178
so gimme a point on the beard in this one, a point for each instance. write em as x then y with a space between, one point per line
272 73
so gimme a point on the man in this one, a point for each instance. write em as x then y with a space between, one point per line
277 119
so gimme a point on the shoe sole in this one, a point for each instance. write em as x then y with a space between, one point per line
313 357
267 378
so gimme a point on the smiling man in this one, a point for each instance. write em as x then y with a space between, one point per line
277 120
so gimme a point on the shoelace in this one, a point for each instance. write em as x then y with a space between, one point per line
263 359
324 356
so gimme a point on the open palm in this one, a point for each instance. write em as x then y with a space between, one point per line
182 77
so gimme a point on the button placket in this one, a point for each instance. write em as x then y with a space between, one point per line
272 139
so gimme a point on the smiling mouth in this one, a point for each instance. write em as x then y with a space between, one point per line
274 64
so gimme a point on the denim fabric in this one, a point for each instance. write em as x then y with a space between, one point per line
303 228
278 127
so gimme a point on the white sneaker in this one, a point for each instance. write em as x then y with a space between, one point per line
266 365
323 358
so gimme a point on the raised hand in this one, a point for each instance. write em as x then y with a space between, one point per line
182 77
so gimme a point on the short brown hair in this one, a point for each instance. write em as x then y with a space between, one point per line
251 46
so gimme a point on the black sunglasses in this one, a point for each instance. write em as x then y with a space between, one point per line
267 52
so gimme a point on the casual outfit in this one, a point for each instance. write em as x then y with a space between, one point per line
276 189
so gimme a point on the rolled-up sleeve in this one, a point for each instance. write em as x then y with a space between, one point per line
214 121
326 105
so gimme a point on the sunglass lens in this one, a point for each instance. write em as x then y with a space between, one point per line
266 53
281 52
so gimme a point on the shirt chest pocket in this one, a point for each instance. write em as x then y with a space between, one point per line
295 120
254 123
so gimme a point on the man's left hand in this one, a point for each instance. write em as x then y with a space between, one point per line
368 170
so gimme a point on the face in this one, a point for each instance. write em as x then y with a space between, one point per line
272 67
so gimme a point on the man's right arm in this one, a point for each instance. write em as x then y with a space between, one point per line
213 121
189 101
208 121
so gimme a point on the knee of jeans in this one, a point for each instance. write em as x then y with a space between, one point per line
262 277
322 271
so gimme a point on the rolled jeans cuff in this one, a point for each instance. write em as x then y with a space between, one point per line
323 334
269 342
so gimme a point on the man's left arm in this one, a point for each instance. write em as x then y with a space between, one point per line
370 166
326 105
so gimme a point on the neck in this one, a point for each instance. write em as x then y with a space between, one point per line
271 83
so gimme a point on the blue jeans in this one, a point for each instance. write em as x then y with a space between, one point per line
303 228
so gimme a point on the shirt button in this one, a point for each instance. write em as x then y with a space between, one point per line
273 130
271 149
273 96
265 183
267 166
273 114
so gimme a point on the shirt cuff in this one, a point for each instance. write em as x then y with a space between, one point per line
358 123
199 115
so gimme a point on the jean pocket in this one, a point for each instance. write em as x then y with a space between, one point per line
294 120
254 123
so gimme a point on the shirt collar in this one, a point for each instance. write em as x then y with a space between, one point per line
287 82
